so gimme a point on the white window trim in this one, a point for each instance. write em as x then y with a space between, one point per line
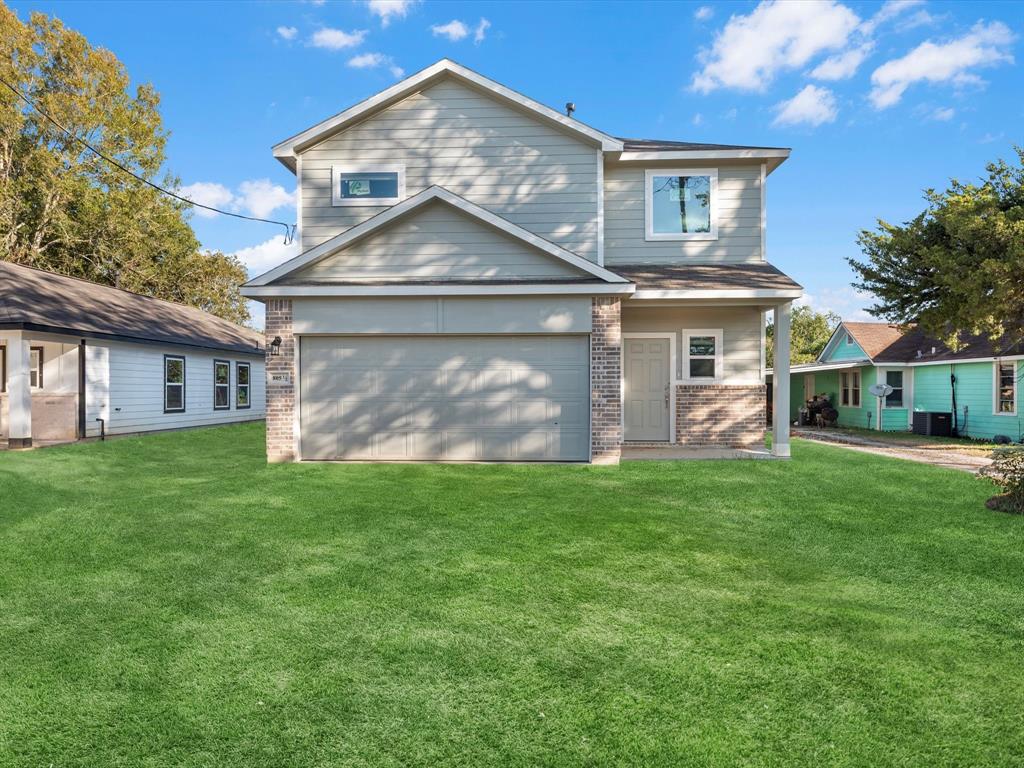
995 388
719 358
649 233
216 386
903 394
850 388
337 170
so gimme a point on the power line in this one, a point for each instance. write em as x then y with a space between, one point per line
289 229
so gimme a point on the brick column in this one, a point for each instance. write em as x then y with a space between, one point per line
281 383
606 380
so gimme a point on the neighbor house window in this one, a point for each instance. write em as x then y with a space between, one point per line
35 368
221 385
895 380
1006 388
242 385
3 368
174 384
849 386
849 340
703 354
368 185
681 204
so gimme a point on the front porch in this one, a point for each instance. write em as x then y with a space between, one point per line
41 400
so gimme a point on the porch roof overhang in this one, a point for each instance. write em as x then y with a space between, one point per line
820 367
755 283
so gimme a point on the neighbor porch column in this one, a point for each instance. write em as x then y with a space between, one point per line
19 393
780 382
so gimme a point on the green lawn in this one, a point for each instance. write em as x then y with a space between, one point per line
173 601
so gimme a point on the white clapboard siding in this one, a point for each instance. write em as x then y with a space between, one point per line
438 242
741 334
739 220
125 386
456 137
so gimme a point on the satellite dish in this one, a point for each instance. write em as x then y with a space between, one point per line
880 390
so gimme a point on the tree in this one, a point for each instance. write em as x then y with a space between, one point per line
809 332
958 267
64 209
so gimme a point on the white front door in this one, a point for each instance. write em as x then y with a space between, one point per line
647 385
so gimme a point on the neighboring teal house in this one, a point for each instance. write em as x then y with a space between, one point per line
984 385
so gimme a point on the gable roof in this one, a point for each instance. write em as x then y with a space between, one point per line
888 343
873 338
287 150
36 300
407 206
757 276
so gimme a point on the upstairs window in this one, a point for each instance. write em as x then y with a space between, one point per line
242 385
174 384
895 380
681 204
703 355
1006 389
368 185
221 385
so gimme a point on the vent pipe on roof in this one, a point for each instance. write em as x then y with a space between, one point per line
570 107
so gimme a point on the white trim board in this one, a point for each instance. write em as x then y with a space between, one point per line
775 157
286 151
381 220
437 289
785 294
719 336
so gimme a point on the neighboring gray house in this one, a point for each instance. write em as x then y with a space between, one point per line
79 359
485 278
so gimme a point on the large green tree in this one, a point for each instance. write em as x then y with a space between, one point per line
64 209
957 267
809 332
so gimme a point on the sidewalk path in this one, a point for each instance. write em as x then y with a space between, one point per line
948 459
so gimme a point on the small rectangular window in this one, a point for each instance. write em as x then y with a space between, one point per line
849 340
221 385
681 204
849 386
242 385
366 185
174 384
3 368
703 354
1006 388
35 368
895 380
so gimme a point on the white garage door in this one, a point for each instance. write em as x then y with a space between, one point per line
453 398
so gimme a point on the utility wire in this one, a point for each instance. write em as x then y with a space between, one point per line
289 229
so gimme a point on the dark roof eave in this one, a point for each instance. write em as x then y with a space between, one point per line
169 341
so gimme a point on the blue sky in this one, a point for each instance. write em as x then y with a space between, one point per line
877 100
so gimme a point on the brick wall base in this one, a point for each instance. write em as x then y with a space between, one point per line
281 383
732 415
606 381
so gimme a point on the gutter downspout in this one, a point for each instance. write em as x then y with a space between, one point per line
81 389
955 432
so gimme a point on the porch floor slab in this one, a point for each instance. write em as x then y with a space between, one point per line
684 453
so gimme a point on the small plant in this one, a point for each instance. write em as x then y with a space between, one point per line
1007 471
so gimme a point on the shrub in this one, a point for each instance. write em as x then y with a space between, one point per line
1007 470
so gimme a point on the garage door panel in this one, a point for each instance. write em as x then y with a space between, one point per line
453 398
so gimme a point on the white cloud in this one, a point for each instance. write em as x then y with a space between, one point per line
889 10
698 119
337 39
207 193
943 114
261 197
731 114
704 13
776 36
390 9
812 106
374 60
842 65
454 30
481 31
985 45
288 33
267 255
847 302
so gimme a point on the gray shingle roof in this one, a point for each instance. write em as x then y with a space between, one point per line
36 300
660 145
705 277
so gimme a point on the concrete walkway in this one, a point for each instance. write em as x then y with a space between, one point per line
679 453
948 459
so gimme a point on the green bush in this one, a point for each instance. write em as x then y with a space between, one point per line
1007 470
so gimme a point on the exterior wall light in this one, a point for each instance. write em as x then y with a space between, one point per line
275 346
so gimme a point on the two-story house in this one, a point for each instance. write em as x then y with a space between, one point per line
485 278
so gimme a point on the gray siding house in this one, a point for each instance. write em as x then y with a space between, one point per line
484 278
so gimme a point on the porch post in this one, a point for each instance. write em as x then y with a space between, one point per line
780 382
19 395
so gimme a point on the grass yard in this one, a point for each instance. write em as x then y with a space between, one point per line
965 445
173 601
